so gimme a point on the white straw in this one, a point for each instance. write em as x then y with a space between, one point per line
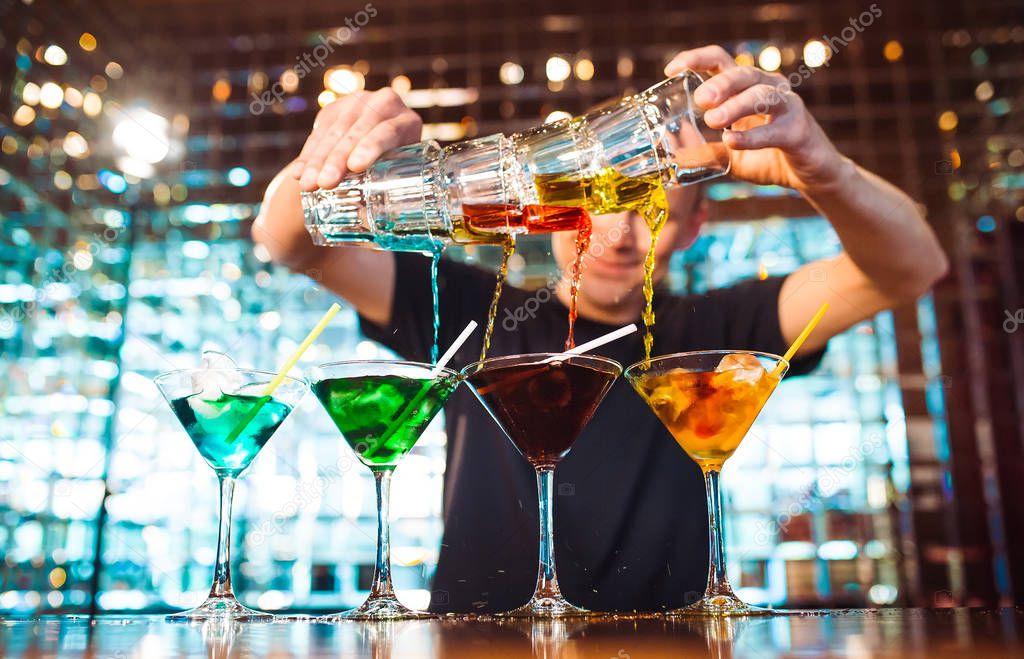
596 343
601 340
450 352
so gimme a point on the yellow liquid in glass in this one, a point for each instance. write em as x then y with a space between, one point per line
709 412
464 234
608 191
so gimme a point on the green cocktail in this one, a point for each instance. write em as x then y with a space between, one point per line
381 409
229 421
211 424
382 416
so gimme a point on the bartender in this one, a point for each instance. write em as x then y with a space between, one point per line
630 514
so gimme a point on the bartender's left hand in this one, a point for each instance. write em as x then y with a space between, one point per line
771 136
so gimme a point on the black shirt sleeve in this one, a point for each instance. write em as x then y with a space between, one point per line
464 294
750 320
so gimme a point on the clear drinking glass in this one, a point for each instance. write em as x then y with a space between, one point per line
659 130
708 401
381 409
484 191
397 204
421 197
542 402
229 419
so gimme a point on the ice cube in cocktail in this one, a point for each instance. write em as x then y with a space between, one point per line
708 401
382 415
221 429
709 410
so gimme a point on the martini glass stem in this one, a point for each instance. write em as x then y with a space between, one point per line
718 580
382 571
547 581
222 571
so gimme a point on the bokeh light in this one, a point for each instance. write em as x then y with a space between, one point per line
770 59
557 68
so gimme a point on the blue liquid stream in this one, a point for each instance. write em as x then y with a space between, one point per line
434 260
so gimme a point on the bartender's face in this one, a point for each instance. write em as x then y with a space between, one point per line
613 269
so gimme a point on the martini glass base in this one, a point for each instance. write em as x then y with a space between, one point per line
723 605
382 608
546 607
221 608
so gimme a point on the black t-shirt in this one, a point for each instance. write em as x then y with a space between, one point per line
630 515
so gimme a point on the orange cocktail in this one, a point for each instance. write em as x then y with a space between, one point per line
709 412
708 401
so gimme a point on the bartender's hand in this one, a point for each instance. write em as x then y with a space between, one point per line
350 133
890 254
772 137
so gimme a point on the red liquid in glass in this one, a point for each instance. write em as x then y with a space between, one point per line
486 218
543 407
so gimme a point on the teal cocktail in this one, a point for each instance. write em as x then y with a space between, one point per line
382 409
229 418
211 424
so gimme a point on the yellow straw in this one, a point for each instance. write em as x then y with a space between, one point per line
283 373
800 339
308 341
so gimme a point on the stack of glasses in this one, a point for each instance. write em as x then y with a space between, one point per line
421 197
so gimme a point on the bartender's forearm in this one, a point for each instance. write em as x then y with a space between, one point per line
347 136
882 231
280 226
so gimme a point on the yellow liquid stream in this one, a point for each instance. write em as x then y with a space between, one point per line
608 191
507 249
464 233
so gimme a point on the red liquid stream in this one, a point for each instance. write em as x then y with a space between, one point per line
582 243
534 218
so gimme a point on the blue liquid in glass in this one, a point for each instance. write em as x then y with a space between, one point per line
211 422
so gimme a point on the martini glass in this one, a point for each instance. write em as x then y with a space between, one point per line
229 419
381 409
542 402
708 400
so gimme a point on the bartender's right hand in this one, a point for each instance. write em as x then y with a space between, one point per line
352 132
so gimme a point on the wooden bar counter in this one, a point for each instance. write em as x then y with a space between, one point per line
974 633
